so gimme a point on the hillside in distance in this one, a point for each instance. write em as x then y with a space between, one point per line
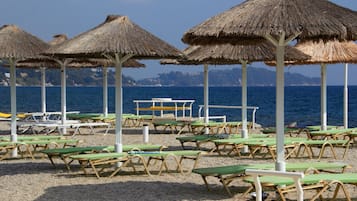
93 77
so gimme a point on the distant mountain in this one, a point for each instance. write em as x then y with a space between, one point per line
231 77
75 77
93 77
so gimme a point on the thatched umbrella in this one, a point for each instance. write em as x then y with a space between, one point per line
117 39
327 52
16 44
279 21
232 54
43 62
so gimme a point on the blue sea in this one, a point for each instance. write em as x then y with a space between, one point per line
302 103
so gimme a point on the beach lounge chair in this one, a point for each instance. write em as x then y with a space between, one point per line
318 182
318 127
33 146
102 161
308 145
133 120
5 149
330 134
234 144
32 137
65 153
171 125
206 138
199 127
133 159
228 174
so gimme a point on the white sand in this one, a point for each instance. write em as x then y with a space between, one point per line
27 179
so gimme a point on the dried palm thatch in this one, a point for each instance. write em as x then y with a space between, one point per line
233 54
116 35
328 52
254 19
46 61
17 44
76 63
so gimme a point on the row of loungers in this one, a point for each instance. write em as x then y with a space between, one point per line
99 158
320 183
99 162
197 126
27 146
65 153
172 125
228 174
261 144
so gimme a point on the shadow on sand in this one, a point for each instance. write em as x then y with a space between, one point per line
131 190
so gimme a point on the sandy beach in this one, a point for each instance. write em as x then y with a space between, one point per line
38 180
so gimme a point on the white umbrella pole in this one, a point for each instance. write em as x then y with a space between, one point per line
118 101
105 92
323 98
118 106
244 100
206 95
244 104
43 93
279 116
345 99
13 104
63 97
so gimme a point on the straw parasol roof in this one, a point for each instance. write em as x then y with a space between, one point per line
233 54
45 61
117 34
328 52
16 43
254 19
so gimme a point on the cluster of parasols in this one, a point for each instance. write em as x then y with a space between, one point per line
255 30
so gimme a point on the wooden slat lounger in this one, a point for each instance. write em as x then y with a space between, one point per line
318 182
65 153
227 174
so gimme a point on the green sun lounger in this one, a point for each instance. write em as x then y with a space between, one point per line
64 153
227 174
198 127
32 146
330 134
5 149
322 145
102 161
171 125
318 182
135 158
34 137
254 145
318 127
201 139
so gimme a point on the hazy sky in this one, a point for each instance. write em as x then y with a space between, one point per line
167 19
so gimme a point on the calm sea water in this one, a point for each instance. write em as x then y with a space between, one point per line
302 104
